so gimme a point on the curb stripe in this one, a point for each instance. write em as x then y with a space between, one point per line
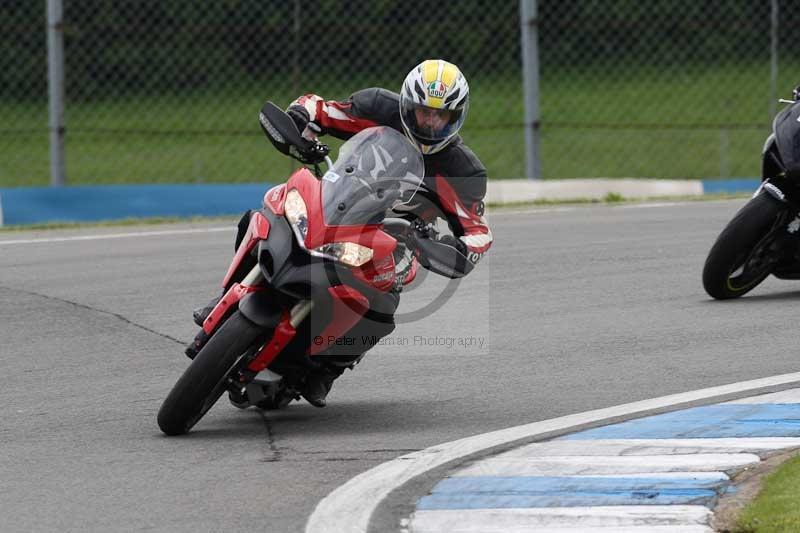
350 507
534 485
713 421
571 499
632 447
590 465
535 519
553 474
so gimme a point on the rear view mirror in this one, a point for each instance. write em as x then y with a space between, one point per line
279 128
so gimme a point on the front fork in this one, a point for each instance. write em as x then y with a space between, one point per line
283 334
254 382
793 224
237 291
781 245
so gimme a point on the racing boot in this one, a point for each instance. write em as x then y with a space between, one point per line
201 313
318 384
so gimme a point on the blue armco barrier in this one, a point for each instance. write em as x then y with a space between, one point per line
731 186
108 202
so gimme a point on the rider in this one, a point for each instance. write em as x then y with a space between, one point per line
430 109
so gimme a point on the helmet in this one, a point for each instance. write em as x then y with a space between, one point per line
433 104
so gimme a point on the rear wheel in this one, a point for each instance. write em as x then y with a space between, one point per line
206 378
745 252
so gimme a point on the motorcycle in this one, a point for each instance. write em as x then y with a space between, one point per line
762 238
306 267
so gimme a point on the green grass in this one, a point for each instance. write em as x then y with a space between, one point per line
605 121
776 509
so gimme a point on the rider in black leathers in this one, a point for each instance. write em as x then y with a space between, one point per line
430 110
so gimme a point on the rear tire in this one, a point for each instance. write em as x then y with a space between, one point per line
205 380
741 243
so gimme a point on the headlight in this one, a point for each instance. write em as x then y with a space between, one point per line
349 253
296 213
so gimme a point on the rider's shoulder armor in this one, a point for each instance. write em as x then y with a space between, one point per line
459 165
379 105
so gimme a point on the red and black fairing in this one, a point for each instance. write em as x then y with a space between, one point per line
340 294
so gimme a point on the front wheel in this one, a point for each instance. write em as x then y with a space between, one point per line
743 254
206 378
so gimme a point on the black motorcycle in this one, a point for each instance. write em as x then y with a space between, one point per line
763 238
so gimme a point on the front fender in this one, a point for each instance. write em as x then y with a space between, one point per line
260 309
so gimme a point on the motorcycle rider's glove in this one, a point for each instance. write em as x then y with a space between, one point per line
300 117
429 231
444 255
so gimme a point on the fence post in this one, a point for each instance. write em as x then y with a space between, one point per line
55 84
529 40
773 92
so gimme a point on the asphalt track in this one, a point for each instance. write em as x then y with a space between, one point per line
578 308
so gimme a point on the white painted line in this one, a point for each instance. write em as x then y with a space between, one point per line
490 528
589 465
349 507
532 519
103 236
653 205
501 211
786 396
531 211
631 447
566 189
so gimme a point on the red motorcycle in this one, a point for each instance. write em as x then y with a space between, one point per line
306 268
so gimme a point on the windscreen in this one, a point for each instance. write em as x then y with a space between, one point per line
375 168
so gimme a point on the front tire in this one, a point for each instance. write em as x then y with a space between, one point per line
741 256
205 380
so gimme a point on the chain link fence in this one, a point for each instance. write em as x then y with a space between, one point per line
166 91
671 90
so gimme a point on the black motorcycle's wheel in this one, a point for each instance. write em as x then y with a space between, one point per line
206 378
742 257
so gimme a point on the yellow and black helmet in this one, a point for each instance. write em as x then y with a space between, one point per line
434 101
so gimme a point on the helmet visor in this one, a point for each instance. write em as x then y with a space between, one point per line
430 125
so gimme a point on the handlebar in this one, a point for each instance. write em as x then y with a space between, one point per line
436 256
397 227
